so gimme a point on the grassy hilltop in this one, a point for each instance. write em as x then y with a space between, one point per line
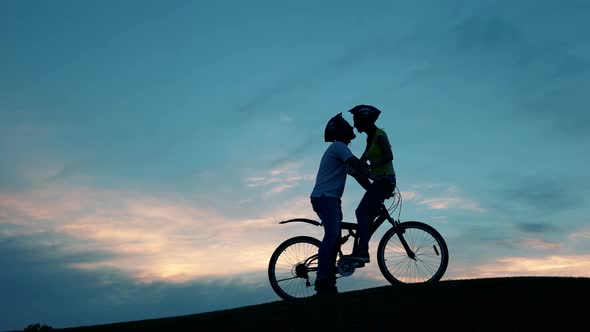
492 304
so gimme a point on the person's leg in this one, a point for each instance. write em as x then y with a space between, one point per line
387 186
365 213
368 209
330 212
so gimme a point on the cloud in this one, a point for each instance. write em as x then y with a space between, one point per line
562 108
532 61
544 195
541 244
451 198
81 256
119 255
446 203
581 235
38 286
535 227
148 237
124 254
505 250
516 266
503 237
553 265
284 176
294 154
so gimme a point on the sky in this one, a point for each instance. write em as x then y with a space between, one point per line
150 148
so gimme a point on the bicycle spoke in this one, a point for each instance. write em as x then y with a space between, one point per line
426 265
293 267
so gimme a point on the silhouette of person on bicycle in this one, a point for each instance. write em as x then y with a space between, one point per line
379 156
336 163
409 252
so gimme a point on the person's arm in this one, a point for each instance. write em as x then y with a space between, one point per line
364 157
383 143
360 172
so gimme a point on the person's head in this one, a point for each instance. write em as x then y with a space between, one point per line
338 129
364 116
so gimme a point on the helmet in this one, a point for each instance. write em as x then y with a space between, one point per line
366 111
338 128
332 128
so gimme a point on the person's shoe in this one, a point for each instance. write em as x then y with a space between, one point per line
327 293
365 258
325 287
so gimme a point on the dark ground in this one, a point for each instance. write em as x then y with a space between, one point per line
494 304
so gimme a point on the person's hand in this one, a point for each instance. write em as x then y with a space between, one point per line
367 169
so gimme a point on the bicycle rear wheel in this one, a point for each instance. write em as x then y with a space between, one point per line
430 254
293 267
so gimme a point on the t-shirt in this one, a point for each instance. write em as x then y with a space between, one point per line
374 153
331 176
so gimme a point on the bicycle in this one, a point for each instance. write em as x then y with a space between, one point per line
418 254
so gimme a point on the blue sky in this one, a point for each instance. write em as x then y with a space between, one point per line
149 148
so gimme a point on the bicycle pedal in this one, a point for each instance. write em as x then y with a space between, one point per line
345 269
359 264
352 263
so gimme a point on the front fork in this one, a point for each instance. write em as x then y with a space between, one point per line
400 234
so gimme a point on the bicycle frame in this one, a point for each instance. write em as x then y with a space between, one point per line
373 226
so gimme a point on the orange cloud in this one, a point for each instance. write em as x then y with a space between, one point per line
553 265
152 237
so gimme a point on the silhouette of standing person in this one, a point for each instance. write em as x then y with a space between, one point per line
337 162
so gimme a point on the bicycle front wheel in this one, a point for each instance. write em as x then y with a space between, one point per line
423 259
293 267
